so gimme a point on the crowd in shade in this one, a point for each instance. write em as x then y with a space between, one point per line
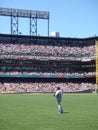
68 87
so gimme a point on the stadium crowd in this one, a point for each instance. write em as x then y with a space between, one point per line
45 52
30 50
68 87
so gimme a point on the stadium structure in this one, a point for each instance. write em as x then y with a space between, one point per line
37 64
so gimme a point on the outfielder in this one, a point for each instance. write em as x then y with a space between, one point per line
58 95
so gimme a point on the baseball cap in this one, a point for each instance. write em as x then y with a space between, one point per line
58 87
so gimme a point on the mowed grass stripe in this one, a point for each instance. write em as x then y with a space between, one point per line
39 112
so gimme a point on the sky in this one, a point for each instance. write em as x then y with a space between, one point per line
71 18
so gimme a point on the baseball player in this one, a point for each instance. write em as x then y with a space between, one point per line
58 95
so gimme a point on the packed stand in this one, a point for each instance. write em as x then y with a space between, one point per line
68 87
29 51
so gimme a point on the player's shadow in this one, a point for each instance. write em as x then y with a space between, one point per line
65 112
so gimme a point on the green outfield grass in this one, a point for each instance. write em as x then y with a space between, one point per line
39 112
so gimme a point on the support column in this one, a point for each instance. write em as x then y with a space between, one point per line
14 25
96 45
33 26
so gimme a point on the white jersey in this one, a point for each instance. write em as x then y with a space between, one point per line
58 95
